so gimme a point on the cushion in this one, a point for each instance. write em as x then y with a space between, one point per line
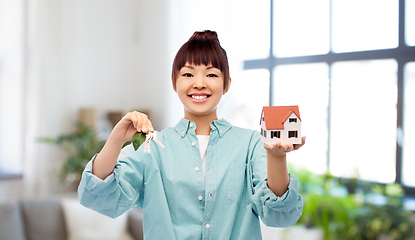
85 224
43 219
11 222
135 223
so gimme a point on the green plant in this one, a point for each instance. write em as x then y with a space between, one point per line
390 219
81 145
332 214
353 215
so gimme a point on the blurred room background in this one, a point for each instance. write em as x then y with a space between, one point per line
349 65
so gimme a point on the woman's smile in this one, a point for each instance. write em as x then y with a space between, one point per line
199 97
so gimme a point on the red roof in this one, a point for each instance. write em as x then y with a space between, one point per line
276 116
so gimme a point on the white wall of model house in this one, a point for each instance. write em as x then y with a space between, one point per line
292 124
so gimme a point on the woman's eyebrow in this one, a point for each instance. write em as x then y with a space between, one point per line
188 66
211 67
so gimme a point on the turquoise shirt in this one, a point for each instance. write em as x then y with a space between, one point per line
168 184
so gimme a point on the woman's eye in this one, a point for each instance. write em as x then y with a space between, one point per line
187 75
212 75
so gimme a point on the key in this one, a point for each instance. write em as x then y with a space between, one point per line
151 136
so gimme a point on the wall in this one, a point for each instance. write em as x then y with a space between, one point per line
98 53
118 54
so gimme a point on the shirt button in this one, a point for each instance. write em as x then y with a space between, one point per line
207 225
210 194
220 132
196 169
200 198
191 124
193 143
182 133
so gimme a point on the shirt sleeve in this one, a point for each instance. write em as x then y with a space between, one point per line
120 191
274 211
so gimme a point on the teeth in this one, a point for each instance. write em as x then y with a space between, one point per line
199 97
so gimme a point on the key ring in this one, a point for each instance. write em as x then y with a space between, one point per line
151 136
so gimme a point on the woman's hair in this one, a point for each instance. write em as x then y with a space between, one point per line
202 48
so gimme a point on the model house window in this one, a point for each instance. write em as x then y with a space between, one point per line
275 134
293 134
292 120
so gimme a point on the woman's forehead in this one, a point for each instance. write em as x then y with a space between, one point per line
193 66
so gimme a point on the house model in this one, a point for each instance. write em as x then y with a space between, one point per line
281 124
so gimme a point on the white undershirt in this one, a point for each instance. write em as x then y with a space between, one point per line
203 142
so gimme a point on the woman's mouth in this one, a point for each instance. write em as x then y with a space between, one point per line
199 98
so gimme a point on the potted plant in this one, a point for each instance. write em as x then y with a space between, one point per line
81 145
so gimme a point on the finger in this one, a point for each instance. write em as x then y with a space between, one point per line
269 146
150 126
297 146
287 147
278 145
139 123
145 123
133 119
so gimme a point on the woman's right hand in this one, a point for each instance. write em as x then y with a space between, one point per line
131 123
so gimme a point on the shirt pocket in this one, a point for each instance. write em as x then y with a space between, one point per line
237 188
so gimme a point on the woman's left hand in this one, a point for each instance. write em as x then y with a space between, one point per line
281 149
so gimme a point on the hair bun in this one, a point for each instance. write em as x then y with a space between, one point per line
207 34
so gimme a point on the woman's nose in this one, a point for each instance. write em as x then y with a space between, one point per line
199 83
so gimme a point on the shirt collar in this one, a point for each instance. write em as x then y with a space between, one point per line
221 125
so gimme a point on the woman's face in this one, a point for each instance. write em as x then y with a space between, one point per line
200 89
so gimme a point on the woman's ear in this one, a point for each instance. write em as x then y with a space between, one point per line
229 85
173 83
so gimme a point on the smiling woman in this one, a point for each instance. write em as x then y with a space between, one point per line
208 168
200 76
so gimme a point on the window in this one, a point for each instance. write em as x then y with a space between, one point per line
310 37
410 22
339 70
353 96
292 134
408 164
11 87
374 25
292 120
311 81
275 134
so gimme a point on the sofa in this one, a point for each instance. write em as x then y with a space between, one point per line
47 219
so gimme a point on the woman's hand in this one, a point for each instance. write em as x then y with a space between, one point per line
281 149
123 132
131 123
